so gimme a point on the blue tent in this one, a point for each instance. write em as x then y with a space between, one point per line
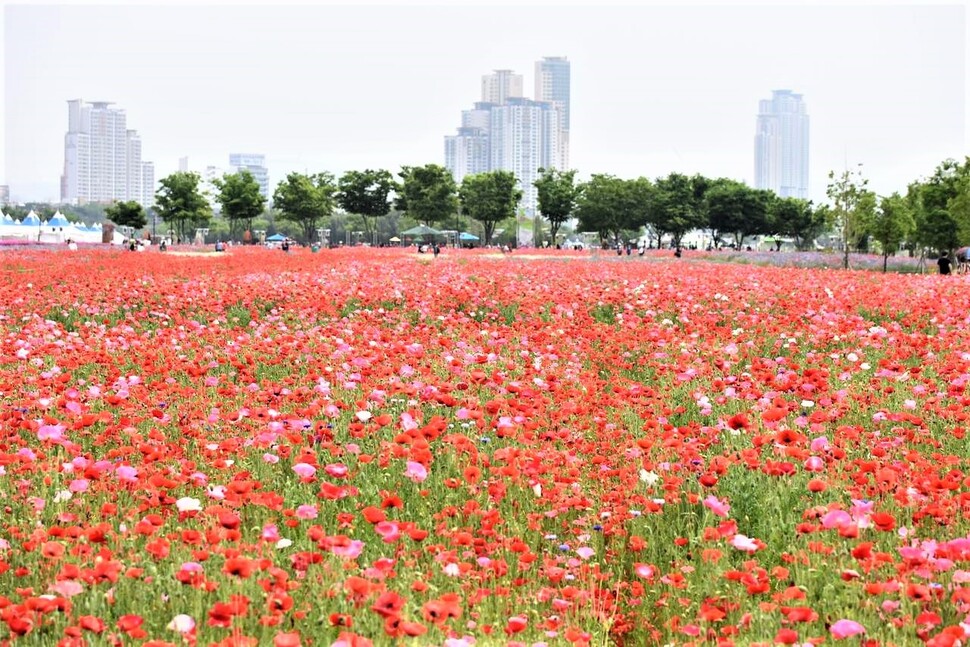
58 220
276 238
466 236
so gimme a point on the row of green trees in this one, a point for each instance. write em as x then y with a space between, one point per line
428 194
934 213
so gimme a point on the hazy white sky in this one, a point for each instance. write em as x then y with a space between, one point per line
655 88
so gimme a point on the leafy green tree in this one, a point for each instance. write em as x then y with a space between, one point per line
891 225
180 204
959 204
678 205
427 193
127 214
305 200
489 198
852 207
733 207
942 221
240 199
796 218
557 194
612 207
365 193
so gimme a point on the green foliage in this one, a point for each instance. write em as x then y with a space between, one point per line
796 218
305 200
427 193
736 208
678 205
940 206
240 199
490 198
180 203
365 193
611 206
557 196
891 225
127 214
853 207
604 313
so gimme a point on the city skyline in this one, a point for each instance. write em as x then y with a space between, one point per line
655 89
507 131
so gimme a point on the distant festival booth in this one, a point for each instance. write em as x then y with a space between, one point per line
57 230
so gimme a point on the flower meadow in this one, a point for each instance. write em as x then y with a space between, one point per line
370 447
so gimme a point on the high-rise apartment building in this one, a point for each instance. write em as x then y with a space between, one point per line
133 172
467 152
148 184
501 85
523 137
781 145
506 131
552 85
255 164
102 157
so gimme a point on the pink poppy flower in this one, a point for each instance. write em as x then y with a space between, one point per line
747 544
416 472
846 629
718 507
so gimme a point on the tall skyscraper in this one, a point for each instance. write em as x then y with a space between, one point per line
133 172
552 85
506 131
501 85
467 152
148 184
102 157
255 164
523 137
781 145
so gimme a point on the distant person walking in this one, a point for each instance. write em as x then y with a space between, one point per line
944 263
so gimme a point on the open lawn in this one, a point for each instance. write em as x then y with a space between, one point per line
367 446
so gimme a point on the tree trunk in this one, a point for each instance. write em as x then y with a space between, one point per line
885 262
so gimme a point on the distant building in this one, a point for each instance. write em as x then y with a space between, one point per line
102 157
552 85
467 152
781 145
183 164
148 184
501 85
506 131
4 195
133 172
208 188
523 137
255 164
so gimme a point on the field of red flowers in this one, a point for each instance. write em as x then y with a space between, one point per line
365 447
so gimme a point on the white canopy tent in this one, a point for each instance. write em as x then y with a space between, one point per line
58 229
